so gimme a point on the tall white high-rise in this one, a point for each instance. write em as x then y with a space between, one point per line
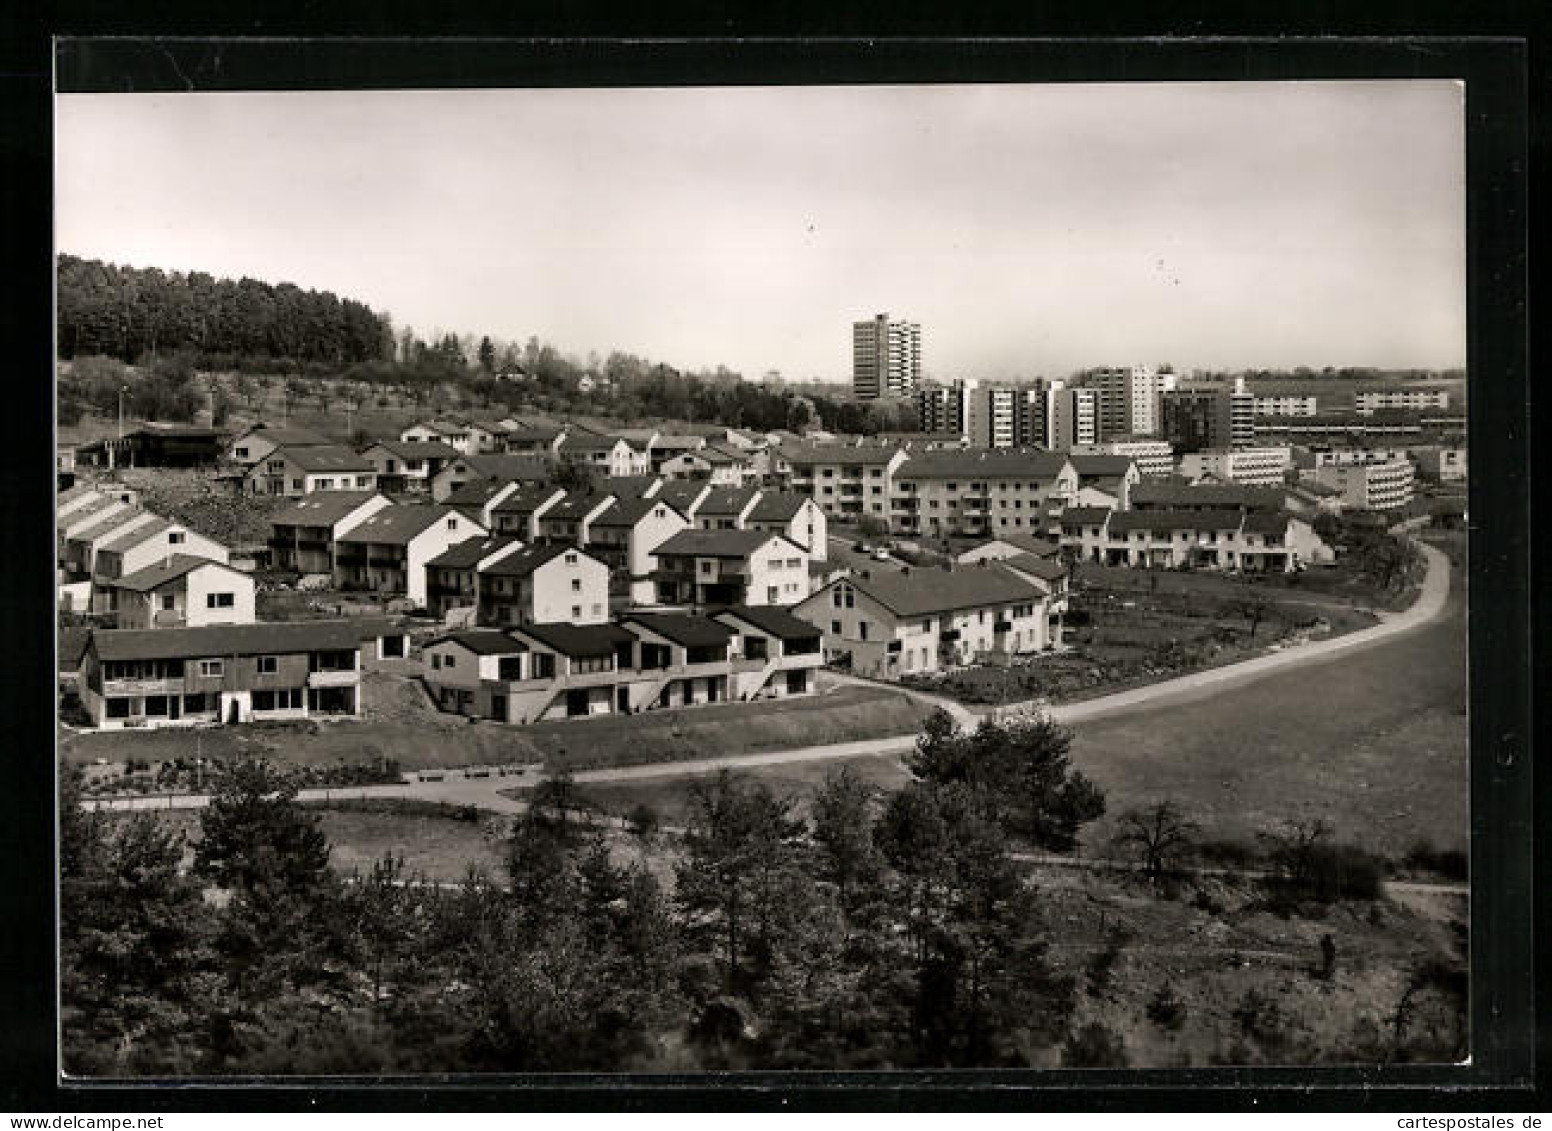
885 358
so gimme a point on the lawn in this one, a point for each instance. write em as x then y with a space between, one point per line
1375 742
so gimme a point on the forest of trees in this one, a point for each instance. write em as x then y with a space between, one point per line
195 323
884 930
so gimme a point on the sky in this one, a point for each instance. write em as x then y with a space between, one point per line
1029 229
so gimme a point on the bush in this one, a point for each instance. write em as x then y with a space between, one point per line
1166 1010
1094 1046
643 819
1452 863
1261 1018
1343 871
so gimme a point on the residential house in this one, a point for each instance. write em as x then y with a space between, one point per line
221 674
156 444
1369 486
1264 466
501 468
981 492
1441 463
717 463
541 584
255 445
293 472
79 559
566 520
464 437
518 513
790 651
731 567
452 577
625 536
386 552
478 500
1104 479
726 508
302 536
408 465
795 515
1011 545
537 439
1251 541
1175 495
685 495
666 448
916 620
849 482
145 545
180 592
611 455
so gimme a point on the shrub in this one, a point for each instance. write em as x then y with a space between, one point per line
1261 1018
1452 863
643 819
1094 1046
1343 871
1166 1010
1102 965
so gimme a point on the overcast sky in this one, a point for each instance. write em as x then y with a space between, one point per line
1029 229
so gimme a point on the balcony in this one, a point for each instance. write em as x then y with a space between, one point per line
347 678
118 687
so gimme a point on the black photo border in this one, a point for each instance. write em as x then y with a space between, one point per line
1505 993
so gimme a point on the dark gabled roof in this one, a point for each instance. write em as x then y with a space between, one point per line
574 506
287 436
836 453
983 463
154 576
679 441
135 537
778 506
628 512
323 458
919 592
475 494
482 642
520 563
1267 522
396 525
417 449
631 486
1086 516
592 441
1028 543
1164 493
321 508
86 510
1160 521
110 523
772 620
1101 466
177 431
680 493
719 452
715 543
537 433
728 502
530 467
526 498
468 553
225 640
578 641
682 628
1044 567
72 646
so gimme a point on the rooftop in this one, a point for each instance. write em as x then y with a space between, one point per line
482 642
520 563
471 551
416 449
772 620
139 534
225 640
319 458
809 454
715 543
777 506
920 592
578 641
155 576
1164 519
396 525
984 463
728 502
682 628
322 508
286 435
1167 494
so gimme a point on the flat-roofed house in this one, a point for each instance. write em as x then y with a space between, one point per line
387 552
255 445
625 536
788 649
293 472
408 465
224 674
181 592
543 583
731 567
534 672
923 620
302 536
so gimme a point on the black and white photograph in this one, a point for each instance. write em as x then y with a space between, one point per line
768 578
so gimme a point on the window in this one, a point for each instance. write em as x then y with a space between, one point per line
220 600
452 523
118 708
268 665
449 661
212 669
571 559
436 661
169 601
862 630
296 484
156 706
576 612
835 628
176 537
325 484
363 481
241 453
576 585
835 597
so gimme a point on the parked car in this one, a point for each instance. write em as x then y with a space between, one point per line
881 555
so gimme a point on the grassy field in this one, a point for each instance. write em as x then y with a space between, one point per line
1376 742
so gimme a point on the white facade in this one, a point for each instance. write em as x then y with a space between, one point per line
1154 458
209 594
1370 402
1370 486
1072 417
1286 406
1254 467
886 358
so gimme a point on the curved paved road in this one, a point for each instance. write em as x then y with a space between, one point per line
484 793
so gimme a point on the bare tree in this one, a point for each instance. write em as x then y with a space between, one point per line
1158 835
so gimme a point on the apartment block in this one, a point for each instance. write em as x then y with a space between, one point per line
1370 486
1255 466
1286 406
980 493
1155 459
1379 399
847 481
886 358
706 568
1255 542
